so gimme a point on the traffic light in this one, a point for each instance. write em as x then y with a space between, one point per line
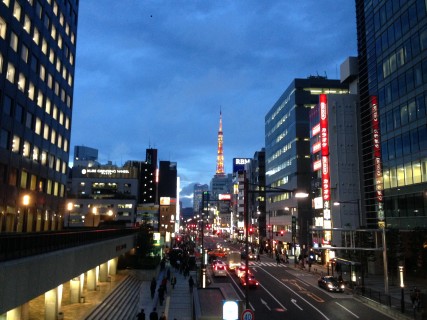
251 230
282 232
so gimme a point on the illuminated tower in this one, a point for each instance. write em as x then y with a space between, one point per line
220 152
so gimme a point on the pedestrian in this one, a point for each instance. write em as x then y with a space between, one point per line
277 258
191 283
168 274
163 316
173 281
141 315
154 315
258 257
153 286
165 284
161 293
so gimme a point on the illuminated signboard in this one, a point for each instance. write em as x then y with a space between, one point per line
377 161
239 164
316 147
326 187
316 130
106 172
165 201
317 165
224 196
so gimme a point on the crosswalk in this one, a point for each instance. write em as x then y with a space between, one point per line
267 264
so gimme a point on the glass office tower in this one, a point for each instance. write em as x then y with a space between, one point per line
392 43
37 62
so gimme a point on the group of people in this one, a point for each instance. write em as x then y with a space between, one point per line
153 315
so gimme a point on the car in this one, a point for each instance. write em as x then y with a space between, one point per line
241 270
219 268
330 283
251 281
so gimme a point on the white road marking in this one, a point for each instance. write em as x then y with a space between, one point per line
347 310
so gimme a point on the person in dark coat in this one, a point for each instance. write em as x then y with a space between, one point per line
173 281
141 315
161 292
153 286
191 283
154 315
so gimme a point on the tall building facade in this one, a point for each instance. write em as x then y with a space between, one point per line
85 156
392 47
287 158
198 191
37 63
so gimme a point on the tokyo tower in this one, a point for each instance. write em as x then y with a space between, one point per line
220 152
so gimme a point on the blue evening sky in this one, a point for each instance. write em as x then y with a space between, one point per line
156 74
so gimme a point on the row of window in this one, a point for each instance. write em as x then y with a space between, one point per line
28 181
391 7
17 145
411 205
405 174
406 113
405 144
403 54
404 84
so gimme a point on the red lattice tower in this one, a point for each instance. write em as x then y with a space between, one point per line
220 152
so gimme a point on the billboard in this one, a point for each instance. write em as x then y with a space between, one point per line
239 164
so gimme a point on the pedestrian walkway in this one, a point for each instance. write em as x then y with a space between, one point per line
178 301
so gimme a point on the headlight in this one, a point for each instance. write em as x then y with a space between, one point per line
330 285
342 286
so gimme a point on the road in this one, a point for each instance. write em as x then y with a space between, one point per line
286 292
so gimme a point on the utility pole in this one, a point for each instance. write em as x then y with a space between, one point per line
246 216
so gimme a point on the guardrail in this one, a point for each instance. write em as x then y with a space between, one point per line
21 245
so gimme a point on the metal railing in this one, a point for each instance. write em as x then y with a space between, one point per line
21 245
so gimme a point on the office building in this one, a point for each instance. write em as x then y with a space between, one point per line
198 191
37 61
85 156
393 83
287 159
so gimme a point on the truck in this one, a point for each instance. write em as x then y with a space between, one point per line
234 259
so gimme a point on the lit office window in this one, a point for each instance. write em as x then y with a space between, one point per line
44 46
61 19
2 28
24 176
67 29
33 182
43 159
16 144
61 118
10 75
55 8
6 3
48 106
46 132
72 38
14 41
58 65
59 141
65 145
21 82
49 80
49 187
62 95
53 136
70 80
71 59
68 101
26 149
64 168
24 53
38 126
59 41
51 55
36 36
31 91
67 123
40 99
55 112
17 11
64 72
1 63
42 72
53 32
36 153
56 88
27 24
58 165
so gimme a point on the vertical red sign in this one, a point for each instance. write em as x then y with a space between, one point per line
326 186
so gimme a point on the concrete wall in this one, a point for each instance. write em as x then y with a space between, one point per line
25 279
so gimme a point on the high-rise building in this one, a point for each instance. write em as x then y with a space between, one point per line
37 54
287 158
85 156
197 196
392 43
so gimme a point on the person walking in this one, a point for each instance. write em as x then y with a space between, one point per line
258 258
161 292
141 315
153 286
163 316
154 315
191 283
173 281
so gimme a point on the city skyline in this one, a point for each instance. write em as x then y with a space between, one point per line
161 74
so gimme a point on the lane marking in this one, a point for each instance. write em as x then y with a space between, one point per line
347 310
241 292
302 298
280 304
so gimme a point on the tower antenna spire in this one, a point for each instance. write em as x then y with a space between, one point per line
220 151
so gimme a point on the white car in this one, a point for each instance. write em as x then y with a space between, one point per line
219 269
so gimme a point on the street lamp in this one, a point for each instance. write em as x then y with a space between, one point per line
69 207
26 203
402 286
